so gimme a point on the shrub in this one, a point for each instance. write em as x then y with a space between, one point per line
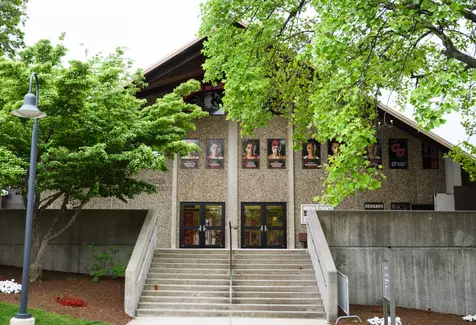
105 262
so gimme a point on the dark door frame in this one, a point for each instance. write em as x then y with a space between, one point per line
264 228
202 228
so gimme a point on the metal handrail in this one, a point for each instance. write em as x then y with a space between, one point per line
147 254
231 265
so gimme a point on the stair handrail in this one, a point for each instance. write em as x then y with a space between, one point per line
321 258
231 264
139 261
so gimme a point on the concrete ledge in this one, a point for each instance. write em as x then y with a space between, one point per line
139 263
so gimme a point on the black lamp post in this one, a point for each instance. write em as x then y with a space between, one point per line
29 110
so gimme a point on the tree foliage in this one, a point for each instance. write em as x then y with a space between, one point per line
327 61
12 14
97 136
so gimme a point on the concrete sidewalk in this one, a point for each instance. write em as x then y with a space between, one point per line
224 321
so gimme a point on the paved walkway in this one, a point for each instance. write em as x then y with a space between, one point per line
224 321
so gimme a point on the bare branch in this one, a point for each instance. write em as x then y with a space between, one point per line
70 222
469 15
451 50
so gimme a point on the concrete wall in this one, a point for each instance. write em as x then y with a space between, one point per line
434 256
69 252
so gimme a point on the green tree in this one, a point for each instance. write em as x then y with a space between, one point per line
326 62
97 137
12 14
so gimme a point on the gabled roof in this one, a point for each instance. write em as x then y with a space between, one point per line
192 51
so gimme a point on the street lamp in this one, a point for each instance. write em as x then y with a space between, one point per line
29 110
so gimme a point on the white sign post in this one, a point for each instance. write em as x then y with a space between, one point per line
387 291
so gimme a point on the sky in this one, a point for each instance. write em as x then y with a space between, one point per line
148 30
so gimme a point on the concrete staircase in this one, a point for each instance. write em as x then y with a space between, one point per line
266 283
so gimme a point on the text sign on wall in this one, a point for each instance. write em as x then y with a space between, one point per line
374 206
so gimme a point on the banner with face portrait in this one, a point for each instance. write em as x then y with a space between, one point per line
250 153
215 155
276 153
374 154
192 159
311 154
333 147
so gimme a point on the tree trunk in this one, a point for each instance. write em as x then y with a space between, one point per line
36 267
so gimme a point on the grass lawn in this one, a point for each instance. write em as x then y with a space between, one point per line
7 311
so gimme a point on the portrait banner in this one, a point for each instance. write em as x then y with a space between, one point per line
276 153
215 154
250 153
311 154
192 159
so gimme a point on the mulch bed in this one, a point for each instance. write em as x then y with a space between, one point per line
105 300
407 316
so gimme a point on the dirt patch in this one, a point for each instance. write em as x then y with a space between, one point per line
408 316
105 298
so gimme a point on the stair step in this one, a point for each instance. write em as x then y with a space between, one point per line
279 277
290 289
273 262
153 275
276 294
273 272
180 259
278 314
186 281
277 301
279 307
182 306
185 293
263 266
209 251
188 270
187 287
190 265
185 300
226 313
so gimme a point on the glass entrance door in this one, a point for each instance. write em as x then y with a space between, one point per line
202 225
263 225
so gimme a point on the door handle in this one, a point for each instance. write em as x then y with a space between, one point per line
200 228
265 228
204 228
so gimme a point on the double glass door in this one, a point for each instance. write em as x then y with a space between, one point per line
202 225
263 225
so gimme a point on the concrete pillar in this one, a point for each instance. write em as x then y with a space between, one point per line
232 202
25 321
173 215
290 162
452 175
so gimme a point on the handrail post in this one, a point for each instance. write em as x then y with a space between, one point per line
231 265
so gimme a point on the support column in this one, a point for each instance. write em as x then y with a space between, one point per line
173 215
290 162
232 204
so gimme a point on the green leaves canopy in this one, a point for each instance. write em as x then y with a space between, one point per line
12 14
325 62
97 136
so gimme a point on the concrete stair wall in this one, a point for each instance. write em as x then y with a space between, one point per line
266 283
